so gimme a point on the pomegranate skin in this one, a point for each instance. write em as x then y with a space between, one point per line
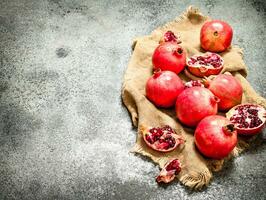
163 88
216 36
227 89
199 72
195 103
215 137
169 56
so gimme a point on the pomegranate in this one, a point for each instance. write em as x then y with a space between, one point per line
227 89
163 88
248 119
169 36
170 170
195 103
193 83
163 139
216 36
169 56
205 65
215 137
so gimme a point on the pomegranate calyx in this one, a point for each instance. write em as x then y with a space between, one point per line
215 100
178 51
206 81
229 129
216 33
157 72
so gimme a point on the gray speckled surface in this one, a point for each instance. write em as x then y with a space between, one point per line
64 133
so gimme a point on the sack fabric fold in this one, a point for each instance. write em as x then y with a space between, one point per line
196 170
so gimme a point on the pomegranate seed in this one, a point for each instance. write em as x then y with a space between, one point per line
174 165
150 139
161 140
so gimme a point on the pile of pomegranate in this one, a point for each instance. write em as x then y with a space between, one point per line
197 102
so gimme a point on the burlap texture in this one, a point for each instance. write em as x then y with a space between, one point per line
196 169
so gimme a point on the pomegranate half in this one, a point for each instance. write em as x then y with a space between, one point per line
249 119
170 170
216 36
205 65
163 88
169 56
215 137
169 36
163 139
195 103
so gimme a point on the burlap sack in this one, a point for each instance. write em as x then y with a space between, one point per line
196 169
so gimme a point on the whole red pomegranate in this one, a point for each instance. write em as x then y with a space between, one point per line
249 119
205 65
163 139
195 103
216 36
215 137
227 89
163 88
169 56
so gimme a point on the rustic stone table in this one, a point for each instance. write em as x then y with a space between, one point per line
64 133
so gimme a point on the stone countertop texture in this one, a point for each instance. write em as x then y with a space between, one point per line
64 133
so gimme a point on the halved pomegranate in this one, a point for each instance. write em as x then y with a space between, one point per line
249 119
205 65
193 83
169 36
163 139
170 170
